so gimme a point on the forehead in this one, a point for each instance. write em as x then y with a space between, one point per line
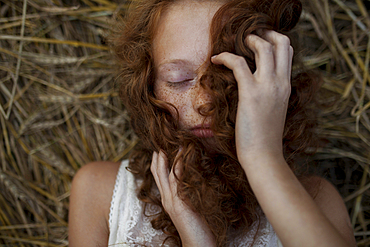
183 33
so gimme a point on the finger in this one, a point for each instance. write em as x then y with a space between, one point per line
172 179
238 65
154 169
153 166
160 173
291 54
163 172
264 54
283 52
177 167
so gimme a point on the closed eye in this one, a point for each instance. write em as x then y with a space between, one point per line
178 83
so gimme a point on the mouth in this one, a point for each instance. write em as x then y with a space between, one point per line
202 131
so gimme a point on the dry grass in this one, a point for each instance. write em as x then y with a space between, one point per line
59 109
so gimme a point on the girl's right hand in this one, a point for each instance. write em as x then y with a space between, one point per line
193 231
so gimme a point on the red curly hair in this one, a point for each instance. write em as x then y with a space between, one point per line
212 183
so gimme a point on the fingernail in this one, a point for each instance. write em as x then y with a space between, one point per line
214 56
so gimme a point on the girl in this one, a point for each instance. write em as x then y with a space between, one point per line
220 119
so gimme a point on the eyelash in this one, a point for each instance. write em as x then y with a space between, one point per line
177 83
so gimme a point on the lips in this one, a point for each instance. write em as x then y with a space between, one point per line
202 131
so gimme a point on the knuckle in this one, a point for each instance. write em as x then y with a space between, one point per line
240 61
152 167
164 203
172 179
286 90
283 40
289 90
250 39
223 55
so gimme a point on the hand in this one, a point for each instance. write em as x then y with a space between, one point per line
193 231
263 96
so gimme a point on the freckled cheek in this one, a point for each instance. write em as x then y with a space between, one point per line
173 98
183 104
179 102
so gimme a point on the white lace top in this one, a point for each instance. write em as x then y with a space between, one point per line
130 228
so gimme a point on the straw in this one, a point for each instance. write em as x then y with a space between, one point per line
59 108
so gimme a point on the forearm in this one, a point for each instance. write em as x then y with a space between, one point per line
197 235
291 211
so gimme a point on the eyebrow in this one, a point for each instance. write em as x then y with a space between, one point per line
174 62
180 62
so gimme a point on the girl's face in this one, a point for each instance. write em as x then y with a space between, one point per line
180 48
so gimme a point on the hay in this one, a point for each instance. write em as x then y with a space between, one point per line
59 109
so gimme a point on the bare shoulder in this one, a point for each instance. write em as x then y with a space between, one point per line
331 204
91 194
97 179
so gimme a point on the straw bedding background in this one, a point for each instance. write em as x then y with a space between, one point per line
59 109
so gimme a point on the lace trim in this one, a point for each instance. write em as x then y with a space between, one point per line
261 230
133 228
138 226
118 177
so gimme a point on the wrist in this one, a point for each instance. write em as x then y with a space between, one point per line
192 229
257 158
259 147
199 238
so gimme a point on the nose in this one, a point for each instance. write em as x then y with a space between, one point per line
201 97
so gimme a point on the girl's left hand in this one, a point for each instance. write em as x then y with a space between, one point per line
262 108
263 95
193 231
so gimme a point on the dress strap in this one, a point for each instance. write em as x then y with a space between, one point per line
118 190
